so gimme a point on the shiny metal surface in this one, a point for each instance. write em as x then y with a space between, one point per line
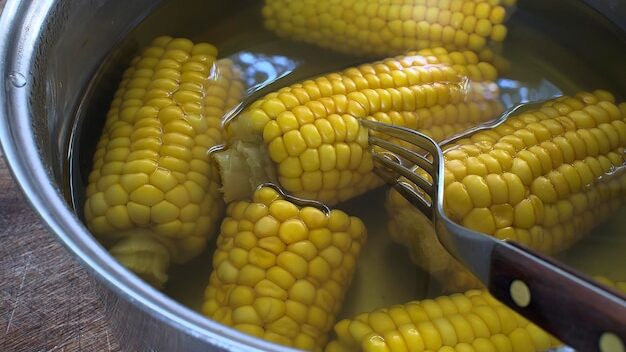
471 248
614 10
49 49
476 251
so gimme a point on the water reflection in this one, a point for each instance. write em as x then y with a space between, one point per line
514 92
260 70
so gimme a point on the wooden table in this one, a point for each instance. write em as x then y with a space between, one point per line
47 300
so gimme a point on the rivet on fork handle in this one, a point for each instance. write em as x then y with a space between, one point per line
557 298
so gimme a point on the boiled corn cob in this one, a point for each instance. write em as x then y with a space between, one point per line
472 321
280 271
544 178
381 27
307 136
409 227
153 192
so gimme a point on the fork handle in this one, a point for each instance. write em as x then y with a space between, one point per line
570 306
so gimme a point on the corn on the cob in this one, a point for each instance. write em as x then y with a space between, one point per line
412 229
473 321
280 271
307 136
153 193
544 178
382 28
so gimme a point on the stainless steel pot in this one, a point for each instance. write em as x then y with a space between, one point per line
49 51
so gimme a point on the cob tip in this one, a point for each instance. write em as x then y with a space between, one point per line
144 256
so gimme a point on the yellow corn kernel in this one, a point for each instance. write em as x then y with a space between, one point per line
316 148
378 28
289 284
153 193
525 181
481 323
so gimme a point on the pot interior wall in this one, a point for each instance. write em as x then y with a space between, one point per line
563 47
88 45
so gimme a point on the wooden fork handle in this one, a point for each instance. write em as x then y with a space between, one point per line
582 314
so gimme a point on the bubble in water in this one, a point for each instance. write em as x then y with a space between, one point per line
17 79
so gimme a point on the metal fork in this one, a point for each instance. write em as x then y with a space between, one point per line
581 313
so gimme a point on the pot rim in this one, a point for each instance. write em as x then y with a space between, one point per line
20 25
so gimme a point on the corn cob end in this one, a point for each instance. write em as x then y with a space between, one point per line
144 256
243 167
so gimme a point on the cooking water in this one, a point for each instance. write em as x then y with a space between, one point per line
538 69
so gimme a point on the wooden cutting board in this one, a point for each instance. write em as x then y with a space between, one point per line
47 300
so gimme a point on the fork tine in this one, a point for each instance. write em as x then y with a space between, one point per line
404 134
407 192
391 170
405 153
410 175
416 199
